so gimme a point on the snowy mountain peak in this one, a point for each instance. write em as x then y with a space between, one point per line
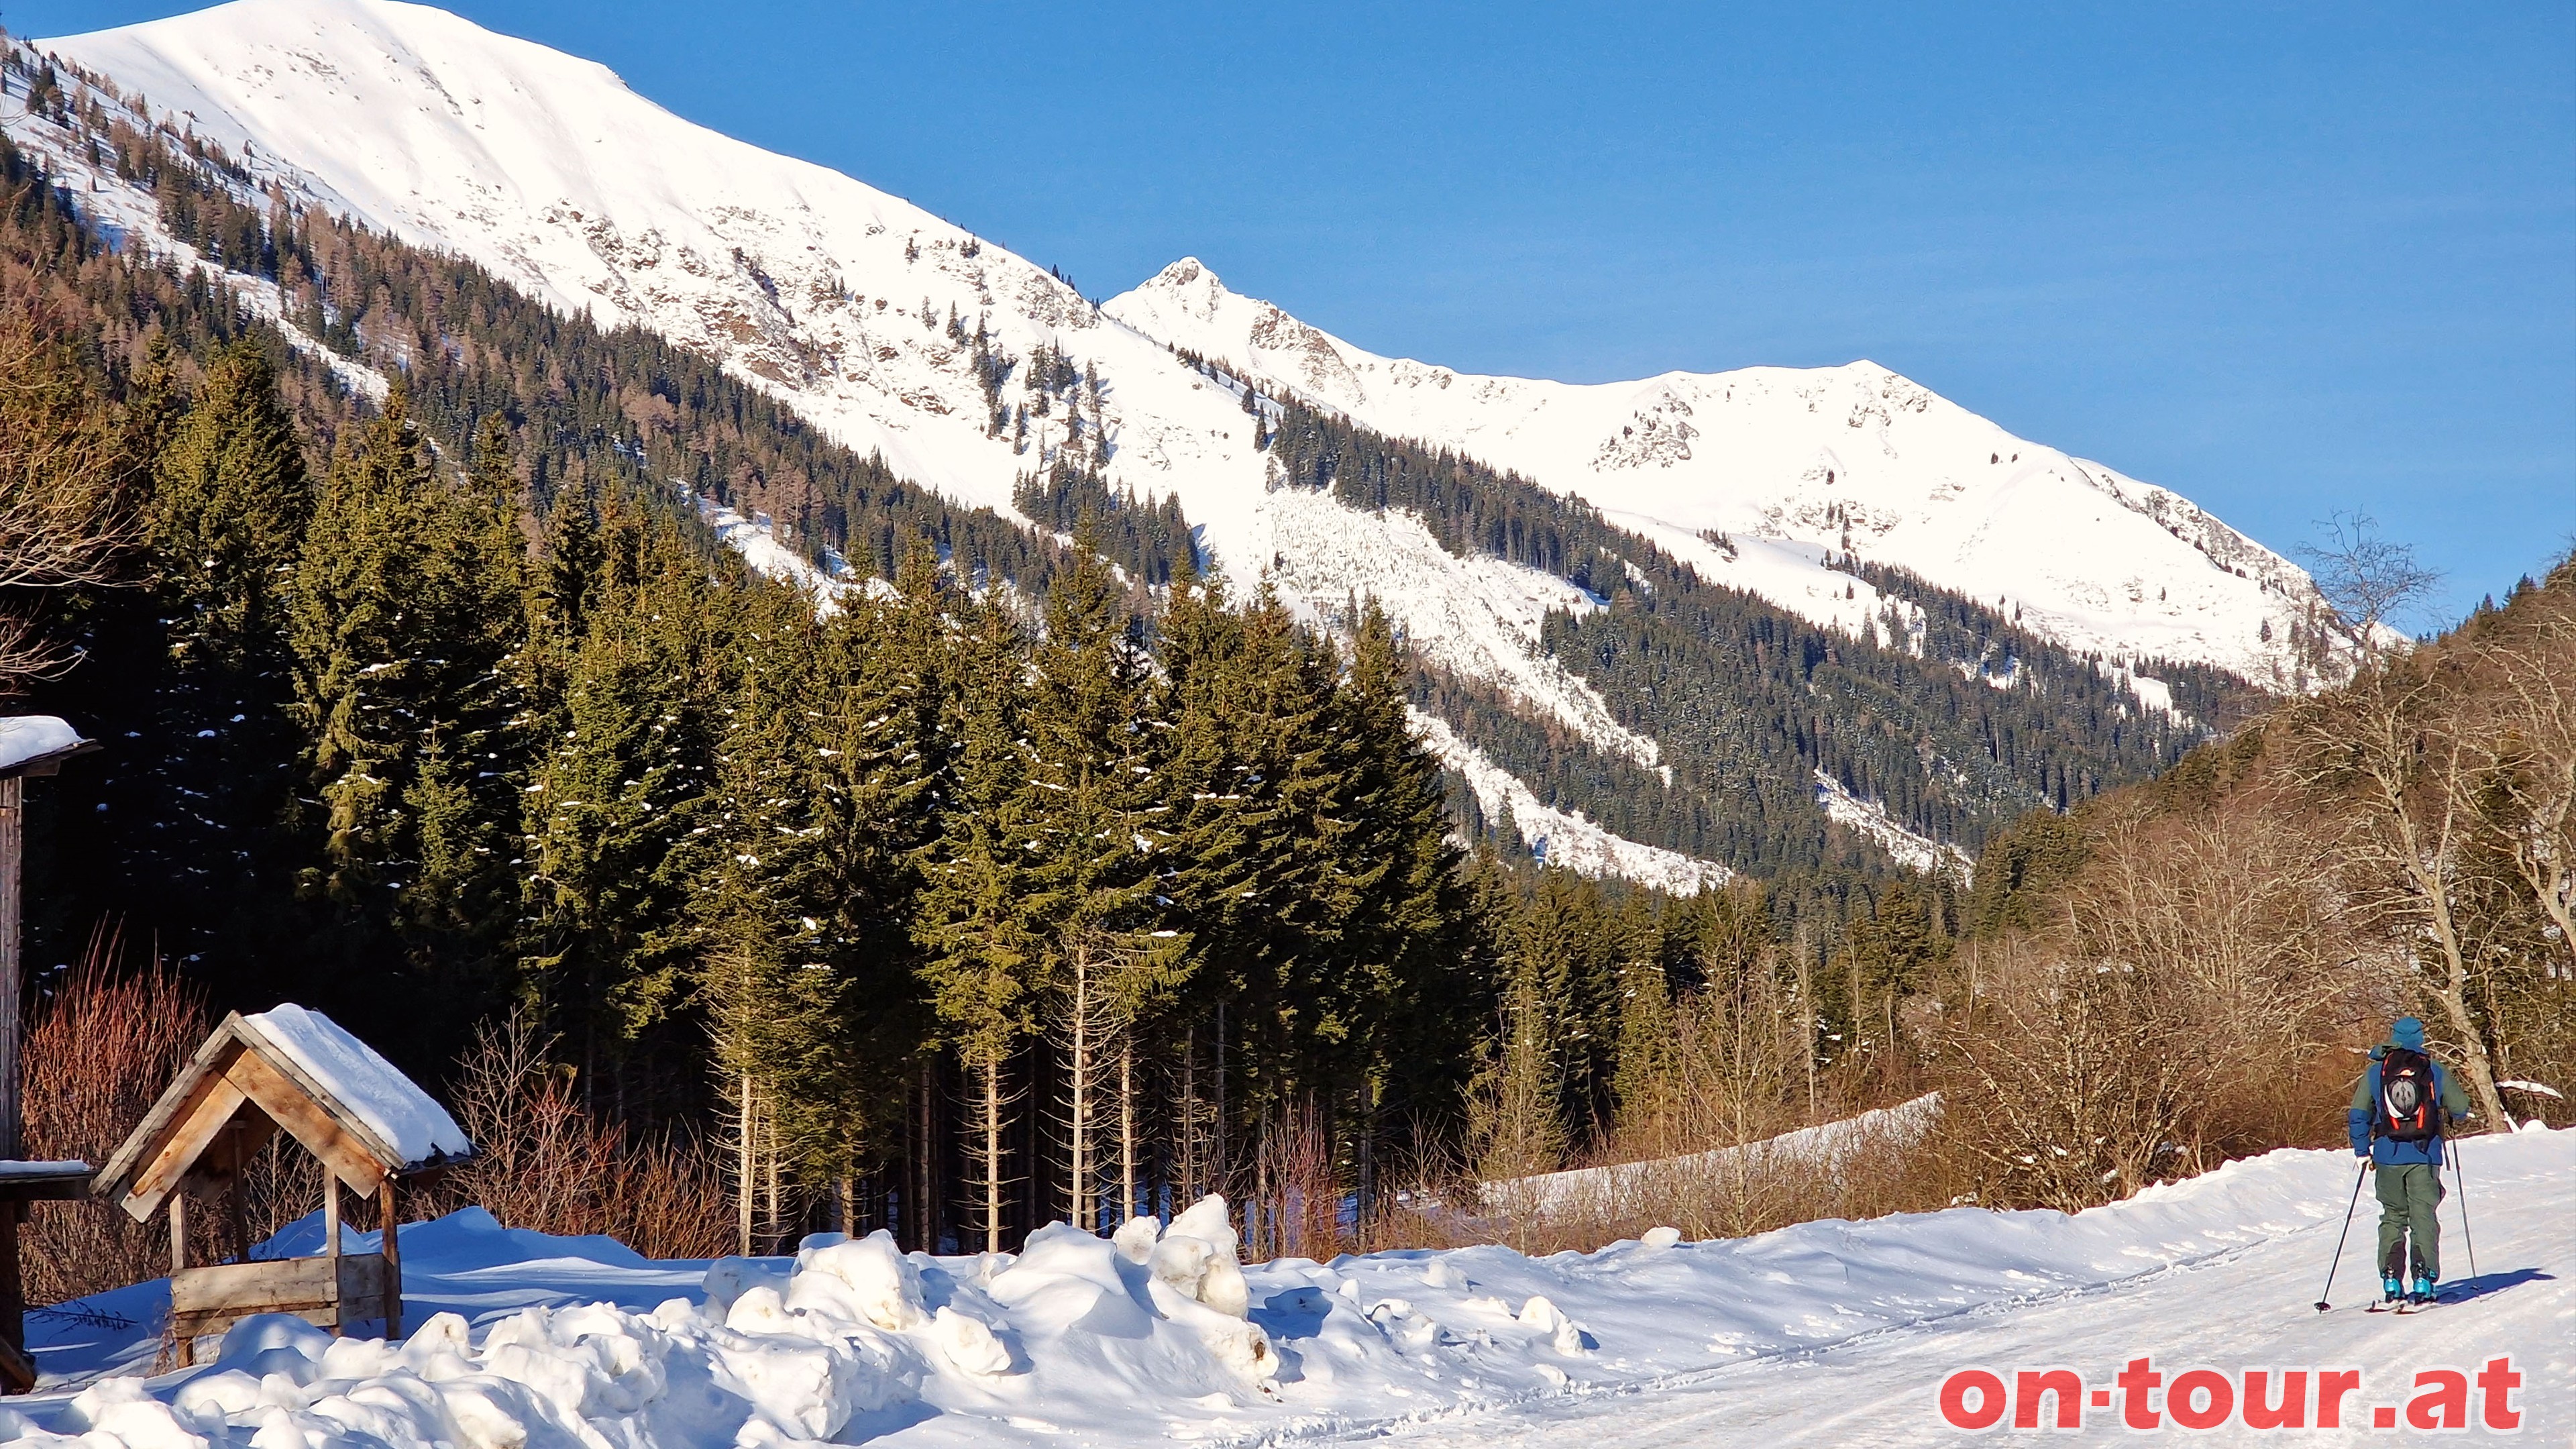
1855 461
902 335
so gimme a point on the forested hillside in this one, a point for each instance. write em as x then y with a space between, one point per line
1047 877
1945 714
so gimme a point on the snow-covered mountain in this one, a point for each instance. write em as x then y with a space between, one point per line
851 305
1803 463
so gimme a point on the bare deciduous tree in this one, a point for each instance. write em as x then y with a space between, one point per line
2369 579
2528 728
66 514
2393 763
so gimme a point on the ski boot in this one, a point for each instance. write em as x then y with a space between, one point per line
2423 1293
2392 1291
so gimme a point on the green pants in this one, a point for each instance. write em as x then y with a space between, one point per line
2408 1194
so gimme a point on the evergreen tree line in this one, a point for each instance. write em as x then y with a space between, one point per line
1894 726
421 736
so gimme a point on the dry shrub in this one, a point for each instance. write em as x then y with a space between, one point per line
1710 1141
1861 1167
100 1050
543 1162
1294 1210
2190 1005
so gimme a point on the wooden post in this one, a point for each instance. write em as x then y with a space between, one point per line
187 1345
12 984
236 1212
386 1210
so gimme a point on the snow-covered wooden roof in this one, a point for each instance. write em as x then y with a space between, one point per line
33 744
286 1069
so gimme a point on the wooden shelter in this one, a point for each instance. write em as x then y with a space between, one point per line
293 1071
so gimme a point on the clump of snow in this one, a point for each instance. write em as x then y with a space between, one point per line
396 1110
869 1280
25 737
1196 1258
969 1344
1136 1237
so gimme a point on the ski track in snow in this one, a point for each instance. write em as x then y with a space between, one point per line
1827 1333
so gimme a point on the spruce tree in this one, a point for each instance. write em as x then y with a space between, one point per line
977 925
1098 842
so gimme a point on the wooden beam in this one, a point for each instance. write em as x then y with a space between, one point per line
302 1117
185 1140
178 1233
13 1286
388 1215
330 1107
17 1371
13 986
175 1100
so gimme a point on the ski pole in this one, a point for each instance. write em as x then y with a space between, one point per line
2323 1302
2471 1239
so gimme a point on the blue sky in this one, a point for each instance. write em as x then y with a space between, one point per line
2285 259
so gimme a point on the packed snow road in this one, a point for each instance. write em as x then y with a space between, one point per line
2234 1309
1824 1333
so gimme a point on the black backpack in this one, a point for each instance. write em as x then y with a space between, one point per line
2410 1108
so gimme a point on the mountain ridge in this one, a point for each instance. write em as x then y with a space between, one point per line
894 332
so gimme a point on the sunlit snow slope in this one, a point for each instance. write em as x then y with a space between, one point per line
1851 459
838 298
833 295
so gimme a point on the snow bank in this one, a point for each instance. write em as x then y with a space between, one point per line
559 1343
1822 1149
391 1106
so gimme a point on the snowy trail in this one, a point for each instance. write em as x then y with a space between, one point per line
1825 1333
2233 1309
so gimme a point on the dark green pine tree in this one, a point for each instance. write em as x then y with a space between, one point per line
1099 846
464 794
773 993
404 615
1420 997
611 847
976 924
187 679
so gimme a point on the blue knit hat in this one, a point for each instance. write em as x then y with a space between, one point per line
2408 1033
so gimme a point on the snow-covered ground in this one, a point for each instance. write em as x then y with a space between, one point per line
1825 1333
1562 837
1911 849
